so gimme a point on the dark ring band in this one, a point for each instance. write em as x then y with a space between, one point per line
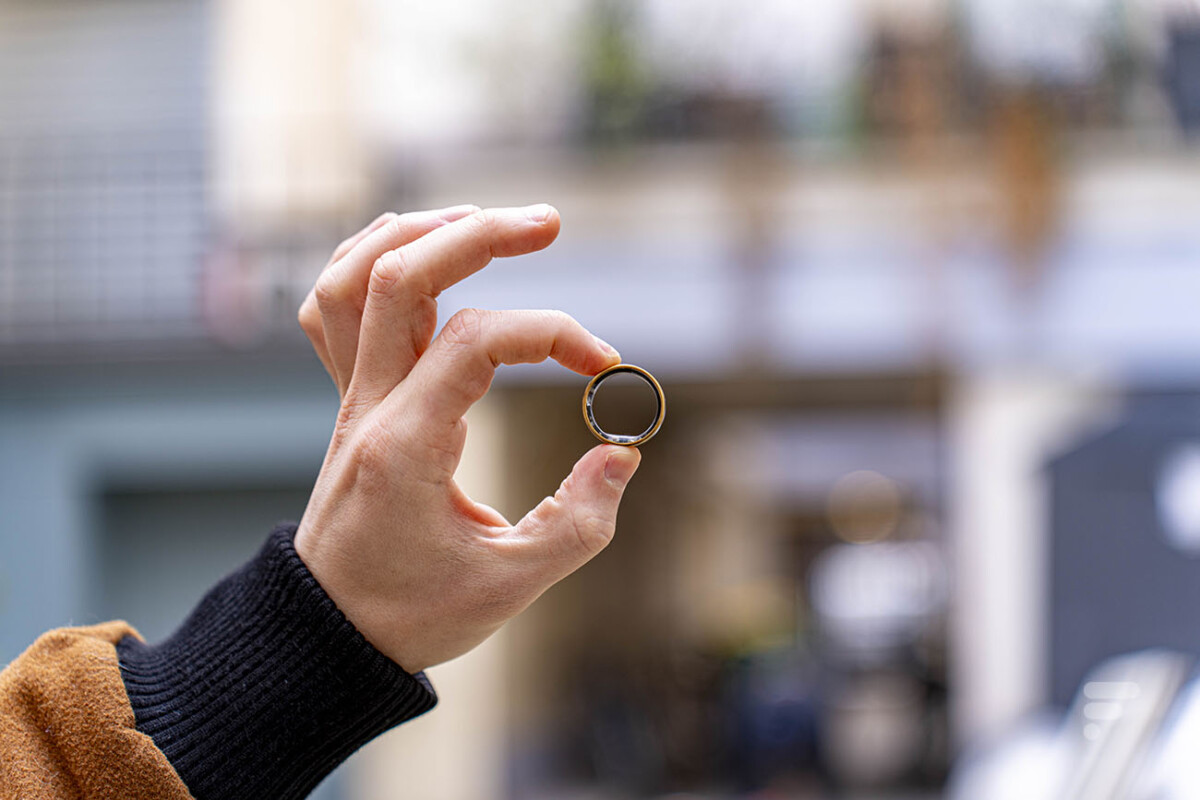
589 416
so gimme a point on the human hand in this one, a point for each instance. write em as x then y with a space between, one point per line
424 572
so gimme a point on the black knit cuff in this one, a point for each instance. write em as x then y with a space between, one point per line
267 686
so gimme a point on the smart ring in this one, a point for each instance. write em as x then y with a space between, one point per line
631 440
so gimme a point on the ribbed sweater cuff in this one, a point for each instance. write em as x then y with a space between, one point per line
267 686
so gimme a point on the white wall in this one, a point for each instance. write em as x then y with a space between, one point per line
1003 426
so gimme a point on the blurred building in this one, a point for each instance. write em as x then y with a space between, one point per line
889 259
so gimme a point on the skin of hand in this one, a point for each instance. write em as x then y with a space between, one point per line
422 570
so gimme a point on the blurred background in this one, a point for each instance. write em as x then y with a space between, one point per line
921 280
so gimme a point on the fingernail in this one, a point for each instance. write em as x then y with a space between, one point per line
457 212
621 465
606 347
539 213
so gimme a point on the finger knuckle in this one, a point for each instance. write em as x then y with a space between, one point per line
389 272
309 317
559 319
328 290
395 227
466 326
486 221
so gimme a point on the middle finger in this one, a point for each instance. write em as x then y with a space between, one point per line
401 307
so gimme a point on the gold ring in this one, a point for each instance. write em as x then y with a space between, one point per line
589 416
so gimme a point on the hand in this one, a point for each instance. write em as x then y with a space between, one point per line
423 571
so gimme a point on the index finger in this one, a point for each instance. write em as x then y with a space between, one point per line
459 367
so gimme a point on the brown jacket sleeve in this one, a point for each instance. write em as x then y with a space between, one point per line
66 726
262 691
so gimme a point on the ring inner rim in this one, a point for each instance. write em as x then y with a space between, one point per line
623 438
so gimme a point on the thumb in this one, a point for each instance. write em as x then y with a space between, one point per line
579 520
